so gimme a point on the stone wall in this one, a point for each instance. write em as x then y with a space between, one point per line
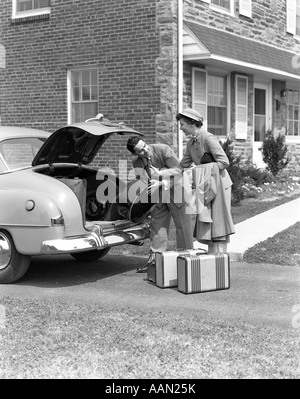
167 72
267 25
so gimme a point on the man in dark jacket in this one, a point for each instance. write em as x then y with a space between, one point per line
159 164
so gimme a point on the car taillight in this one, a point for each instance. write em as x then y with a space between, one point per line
57 221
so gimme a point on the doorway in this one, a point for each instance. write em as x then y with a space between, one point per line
261 121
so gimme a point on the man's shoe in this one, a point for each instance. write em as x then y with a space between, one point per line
142 269
138 243
150 261
151 258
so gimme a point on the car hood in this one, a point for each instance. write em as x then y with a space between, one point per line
78 143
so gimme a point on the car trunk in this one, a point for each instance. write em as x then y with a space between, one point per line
67 155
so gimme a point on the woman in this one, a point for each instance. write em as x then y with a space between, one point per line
212 182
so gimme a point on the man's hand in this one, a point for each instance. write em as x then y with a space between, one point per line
155 173
156 184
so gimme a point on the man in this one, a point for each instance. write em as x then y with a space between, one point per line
158 164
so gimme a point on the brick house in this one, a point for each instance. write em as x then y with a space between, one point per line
140 61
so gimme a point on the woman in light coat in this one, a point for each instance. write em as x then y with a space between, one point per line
214 222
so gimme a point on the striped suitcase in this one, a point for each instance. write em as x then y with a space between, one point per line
206 272
166 266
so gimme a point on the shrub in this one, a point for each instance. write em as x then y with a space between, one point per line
246 178
235 171
258 176
274 152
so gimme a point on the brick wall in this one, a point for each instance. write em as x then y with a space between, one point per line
119 37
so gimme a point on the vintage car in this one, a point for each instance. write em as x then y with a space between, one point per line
49 202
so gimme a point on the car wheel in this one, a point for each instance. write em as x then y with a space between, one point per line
95 210
89 256
13 265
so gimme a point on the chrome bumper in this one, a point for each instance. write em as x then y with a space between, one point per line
95 240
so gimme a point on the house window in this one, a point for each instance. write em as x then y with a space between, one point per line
29 8
222 3
84 94
293 113
25 5
217 105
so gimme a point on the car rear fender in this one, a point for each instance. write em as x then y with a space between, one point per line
50 196
29 218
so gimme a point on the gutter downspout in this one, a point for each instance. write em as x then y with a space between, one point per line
180 72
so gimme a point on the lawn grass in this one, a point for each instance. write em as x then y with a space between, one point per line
253 206
46 339
282 249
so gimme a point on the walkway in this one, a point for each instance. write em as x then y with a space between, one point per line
261 227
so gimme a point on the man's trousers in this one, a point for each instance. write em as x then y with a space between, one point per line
160 225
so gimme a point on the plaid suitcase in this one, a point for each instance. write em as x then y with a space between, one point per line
206 272
165 270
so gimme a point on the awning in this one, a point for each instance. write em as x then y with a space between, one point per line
238 53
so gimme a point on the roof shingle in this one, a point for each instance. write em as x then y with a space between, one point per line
228 45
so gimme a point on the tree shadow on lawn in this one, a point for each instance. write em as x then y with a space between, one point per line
63 271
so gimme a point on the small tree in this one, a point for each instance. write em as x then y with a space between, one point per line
274 152
234 170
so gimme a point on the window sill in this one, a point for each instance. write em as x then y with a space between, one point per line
30 18
222 10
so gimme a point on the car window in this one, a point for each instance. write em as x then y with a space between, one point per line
2 165
19 152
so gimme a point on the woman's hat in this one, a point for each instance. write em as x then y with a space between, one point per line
191 114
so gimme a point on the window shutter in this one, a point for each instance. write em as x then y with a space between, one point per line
241 109
245 8
199 93
291 16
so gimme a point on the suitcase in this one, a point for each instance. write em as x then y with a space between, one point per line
151 272
164 272
206 272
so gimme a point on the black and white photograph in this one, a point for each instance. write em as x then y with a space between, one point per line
149 192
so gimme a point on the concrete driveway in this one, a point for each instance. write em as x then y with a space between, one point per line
259 294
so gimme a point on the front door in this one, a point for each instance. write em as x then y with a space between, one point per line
261 121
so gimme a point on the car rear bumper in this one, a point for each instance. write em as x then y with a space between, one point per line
96 240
